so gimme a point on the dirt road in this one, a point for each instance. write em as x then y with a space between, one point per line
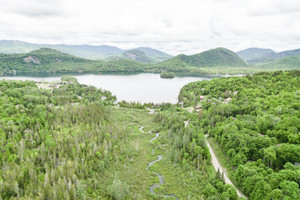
217 166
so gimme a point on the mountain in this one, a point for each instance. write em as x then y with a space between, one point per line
156 54
143 55
219 57
295 52
259 55
49 60
284 63
36 60
253 55
83 51
138 55
16 46
88 51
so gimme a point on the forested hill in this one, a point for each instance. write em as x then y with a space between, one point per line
256 121
259 55
289 62
253 55
212 58
36 60
49 60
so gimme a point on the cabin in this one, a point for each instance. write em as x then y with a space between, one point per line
228 99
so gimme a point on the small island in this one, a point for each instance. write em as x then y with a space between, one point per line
167 75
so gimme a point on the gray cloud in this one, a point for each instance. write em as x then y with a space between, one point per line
174 26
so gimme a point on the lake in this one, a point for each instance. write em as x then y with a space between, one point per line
143 87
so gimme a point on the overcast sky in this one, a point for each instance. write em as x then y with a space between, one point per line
174 26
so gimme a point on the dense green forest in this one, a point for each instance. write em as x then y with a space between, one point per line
255 122
69 141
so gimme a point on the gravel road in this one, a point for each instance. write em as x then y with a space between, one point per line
217 166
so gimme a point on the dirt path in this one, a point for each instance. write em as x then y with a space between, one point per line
218 166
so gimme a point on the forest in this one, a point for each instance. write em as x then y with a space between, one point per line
72 141
255 122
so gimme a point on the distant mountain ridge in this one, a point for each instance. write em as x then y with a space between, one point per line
214 61
83 51
260 55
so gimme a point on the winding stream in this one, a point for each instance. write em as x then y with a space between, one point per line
159 157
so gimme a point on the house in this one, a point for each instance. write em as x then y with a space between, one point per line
228 99
297 164
201 97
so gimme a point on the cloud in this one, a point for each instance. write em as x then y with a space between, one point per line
174 26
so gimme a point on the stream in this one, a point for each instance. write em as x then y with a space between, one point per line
159 157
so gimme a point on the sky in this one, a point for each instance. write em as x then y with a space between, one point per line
173 26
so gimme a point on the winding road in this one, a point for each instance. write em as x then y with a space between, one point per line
217 167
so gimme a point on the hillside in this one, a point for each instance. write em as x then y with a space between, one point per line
15 46
142 55
219 57
36 60
259 55
156 54
138 55
252 55
48 60
88 51
295 52
288 63
214 58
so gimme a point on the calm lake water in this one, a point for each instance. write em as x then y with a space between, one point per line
144 87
